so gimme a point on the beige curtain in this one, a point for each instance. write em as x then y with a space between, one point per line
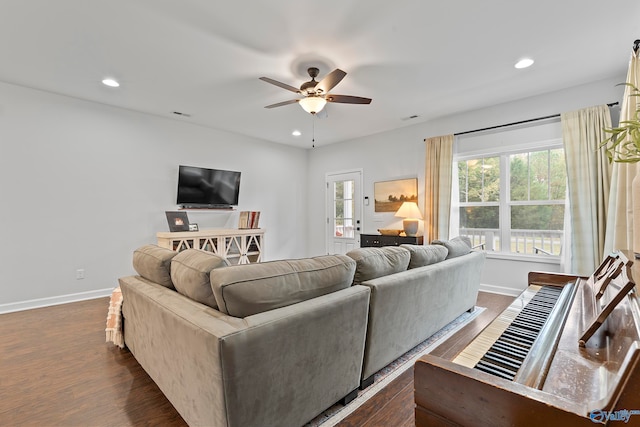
588 174
437 192
619 234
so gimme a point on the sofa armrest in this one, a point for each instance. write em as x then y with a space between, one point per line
177 342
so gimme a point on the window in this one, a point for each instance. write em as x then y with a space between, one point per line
514 202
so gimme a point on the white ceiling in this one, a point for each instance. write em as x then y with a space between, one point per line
413 57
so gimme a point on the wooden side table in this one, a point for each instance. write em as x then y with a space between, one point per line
377 240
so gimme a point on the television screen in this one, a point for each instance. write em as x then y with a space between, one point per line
202 188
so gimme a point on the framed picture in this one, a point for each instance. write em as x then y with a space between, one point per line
389 195
193 227
178 221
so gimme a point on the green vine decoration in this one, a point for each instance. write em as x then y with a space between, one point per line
623 146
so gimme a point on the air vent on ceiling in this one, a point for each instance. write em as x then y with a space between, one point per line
178 113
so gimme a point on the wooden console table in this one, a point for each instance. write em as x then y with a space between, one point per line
377 240
243 246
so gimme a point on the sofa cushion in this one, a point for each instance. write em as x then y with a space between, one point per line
154 263
190 271
422 255
243 290
457 246
372 263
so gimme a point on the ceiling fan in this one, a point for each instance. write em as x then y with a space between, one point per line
316 94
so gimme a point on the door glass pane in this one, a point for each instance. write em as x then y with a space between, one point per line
348 229
343 209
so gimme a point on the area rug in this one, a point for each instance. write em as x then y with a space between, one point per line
382 378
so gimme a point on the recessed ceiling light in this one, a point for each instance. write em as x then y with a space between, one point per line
296 133
524 63
110 83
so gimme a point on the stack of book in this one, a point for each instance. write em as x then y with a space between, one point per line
249 219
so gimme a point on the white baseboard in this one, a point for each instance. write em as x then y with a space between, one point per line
502 290
46 302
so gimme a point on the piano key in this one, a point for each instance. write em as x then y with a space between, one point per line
502 346
493 369
503 360
532 326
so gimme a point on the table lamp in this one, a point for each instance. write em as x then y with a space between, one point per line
411 214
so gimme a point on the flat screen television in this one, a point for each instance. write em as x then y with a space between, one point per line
207 188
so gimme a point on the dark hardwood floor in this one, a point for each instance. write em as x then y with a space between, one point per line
57 370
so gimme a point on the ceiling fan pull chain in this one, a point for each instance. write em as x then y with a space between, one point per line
313 131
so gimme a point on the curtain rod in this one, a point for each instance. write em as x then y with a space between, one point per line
518 123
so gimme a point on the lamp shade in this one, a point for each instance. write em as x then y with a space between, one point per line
312 104
409 210
411 214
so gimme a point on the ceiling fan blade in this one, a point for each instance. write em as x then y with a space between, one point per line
280 84
346 99
280 104
330 81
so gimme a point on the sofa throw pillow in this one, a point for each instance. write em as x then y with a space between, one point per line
372 263
190 271
243 290
154 263
422 255
457 246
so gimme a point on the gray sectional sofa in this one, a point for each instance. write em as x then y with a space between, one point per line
277 343
437 284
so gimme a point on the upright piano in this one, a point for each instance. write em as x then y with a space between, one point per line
565 353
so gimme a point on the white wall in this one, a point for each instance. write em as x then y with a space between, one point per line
401 154
83 184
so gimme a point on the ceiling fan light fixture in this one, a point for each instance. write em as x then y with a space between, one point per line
312 104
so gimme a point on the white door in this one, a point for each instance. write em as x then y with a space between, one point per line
344 211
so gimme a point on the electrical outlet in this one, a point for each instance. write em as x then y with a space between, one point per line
80 274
